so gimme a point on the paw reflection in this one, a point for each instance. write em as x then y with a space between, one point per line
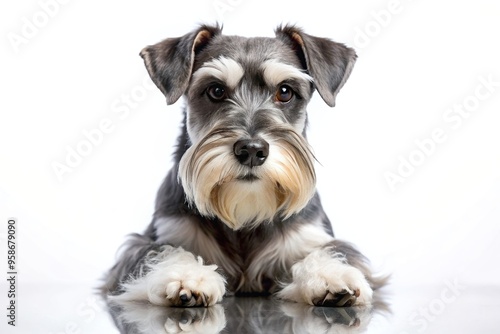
244 315
140 318
195 320
311 319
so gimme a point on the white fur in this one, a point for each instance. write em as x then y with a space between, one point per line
248 203
276 72
225 69
172 272
282 252
320 273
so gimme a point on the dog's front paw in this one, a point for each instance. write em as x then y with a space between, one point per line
180 279
203 287
325 280
338 298
188 283
175 277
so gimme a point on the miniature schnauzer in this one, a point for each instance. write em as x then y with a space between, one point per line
239 212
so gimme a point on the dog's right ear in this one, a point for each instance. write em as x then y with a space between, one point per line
170 62
328 62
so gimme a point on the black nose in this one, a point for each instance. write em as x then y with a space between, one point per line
251 152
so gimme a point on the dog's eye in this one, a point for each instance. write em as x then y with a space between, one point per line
284 94
216 92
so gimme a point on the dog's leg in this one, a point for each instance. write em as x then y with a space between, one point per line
336 275
173 277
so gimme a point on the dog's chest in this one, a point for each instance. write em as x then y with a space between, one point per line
247 258
257 265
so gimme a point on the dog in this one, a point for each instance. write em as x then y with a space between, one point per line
239 213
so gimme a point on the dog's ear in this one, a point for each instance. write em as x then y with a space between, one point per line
328 62
170 62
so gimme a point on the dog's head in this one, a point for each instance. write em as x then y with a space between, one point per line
248 160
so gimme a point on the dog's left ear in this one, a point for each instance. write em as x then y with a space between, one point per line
170 62
328 62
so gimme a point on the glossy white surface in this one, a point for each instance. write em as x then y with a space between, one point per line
449 307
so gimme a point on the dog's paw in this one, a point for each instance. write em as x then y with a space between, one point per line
187 282
175 278
203 287
325 280
338 298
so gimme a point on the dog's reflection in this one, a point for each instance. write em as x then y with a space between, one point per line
241 315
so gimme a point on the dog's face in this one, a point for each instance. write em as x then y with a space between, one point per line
248 161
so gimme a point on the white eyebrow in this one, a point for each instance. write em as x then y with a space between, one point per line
225 69
276 72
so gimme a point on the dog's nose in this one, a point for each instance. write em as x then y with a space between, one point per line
251 152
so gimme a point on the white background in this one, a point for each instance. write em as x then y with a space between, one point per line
79 66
